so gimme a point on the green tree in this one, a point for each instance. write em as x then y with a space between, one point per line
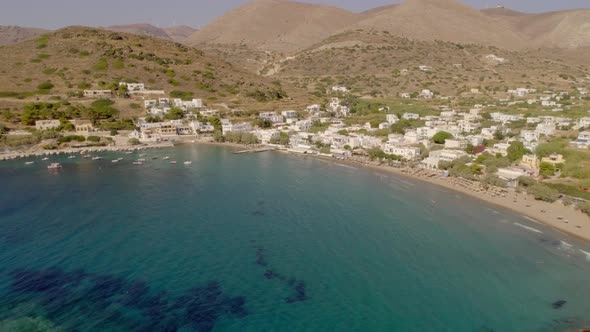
400 126
66 125
215 121
499 135
175 113
542 192
516 150
546 170
134 141
101 109
282 139
494 180
526 181
441 137
263 123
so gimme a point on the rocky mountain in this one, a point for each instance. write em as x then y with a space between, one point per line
288 26
15 34
275 25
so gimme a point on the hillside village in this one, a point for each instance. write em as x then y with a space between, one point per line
475 110
478 142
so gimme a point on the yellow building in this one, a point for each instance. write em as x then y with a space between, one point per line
530 161
554 159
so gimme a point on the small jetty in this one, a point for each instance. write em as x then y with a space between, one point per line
255 150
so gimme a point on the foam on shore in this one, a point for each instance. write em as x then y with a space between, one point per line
528 228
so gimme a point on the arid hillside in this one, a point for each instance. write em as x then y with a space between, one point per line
566 29
15 34
142 29
70 60
447 20
179 33
380 63
287 27
275 25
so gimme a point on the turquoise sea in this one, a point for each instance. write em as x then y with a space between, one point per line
271 242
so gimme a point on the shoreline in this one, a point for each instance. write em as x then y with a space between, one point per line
25 154
555 215
561 218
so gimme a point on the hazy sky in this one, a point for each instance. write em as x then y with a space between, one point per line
59 13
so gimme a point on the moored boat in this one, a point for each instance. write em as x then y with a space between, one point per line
188 162
173 162
29 163
54 166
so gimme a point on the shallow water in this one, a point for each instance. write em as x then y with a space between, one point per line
271 242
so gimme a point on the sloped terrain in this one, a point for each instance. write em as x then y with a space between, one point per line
76 58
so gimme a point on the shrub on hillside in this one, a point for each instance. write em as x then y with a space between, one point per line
542 192
494 180
584 207
71 138
526 181
184 95
45 86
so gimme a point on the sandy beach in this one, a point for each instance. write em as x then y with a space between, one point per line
562 218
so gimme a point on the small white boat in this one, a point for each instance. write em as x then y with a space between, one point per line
96 158
141 160
54 166
188 162
45 159
137 163
166 158
72 157
128 152
119 159
143 155
29 163
115 160
173 162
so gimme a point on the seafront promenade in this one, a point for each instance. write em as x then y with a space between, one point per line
27 154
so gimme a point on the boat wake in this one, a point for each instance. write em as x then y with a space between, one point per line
587 254
528 228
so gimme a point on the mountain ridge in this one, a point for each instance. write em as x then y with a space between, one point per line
287 26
